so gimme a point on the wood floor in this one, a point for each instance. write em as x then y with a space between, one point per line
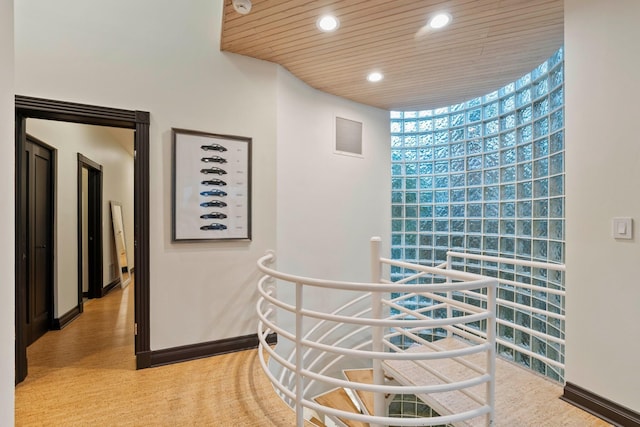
85 375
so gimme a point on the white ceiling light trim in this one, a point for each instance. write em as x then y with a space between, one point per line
375 76
440 20
327 23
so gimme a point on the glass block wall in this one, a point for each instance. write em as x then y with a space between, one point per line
487 176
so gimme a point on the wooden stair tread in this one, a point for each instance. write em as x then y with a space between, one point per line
316 422
514 385
364 376
339 399
409 373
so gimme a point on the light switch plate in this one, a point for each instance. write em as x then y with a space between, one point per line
622 228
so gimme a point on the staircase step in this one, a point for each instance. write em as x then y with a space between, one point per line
364 376
339 399
317 422
408 373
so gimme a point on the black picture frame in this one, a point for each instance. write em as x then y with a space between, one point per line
211 197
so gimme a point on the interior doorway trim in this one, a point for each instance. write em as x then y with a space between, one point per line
30 107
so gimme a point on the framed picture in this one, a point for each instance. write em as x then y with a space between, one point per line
211 186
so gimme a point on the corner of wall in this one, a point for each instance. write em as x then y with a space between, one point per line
7 219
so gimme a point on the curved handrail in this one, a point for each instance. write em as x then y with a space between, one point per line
348 333
366 321
479 281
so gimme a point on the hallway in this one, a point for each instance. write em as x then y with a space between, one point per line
85 375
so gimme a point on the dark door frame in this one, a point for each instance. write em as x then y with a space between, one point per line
39 108
94 214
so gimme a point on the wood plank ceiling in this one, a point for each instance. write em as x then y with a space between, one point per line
489 43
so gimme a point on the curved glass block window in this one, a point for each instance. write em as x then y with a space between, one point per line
487 176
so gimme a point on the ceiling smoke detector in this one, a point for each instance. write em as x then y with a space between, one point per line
242 6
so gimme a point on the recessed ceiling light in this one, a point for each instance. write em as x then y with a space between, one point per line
375 77
327 23
440 20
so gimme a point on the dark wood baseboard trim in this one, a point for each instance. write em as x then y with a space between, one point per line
600 407
143 360
110 287
132 270
65 319
197 351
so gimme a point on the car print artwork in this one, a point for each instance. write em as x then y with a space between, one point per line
215 193
214 226
213 182
213 204
209 177
213 147
213 215
216 171
213 159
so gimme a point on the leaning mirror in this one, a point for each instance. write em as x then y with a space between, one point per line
120 245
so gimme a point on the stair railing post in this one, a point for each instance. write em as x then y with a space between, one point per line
379 404
449 294
299 359
491 354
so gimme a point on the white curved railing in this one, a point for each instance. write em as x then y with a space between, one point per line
363 330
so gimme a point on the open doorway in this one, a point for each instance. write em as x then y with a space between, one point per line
28 107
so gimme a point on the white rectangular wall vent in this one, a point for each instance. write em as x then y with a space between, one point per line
348 136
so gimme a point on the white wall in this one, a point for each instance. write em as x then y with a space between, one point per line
99 145
329 205
602 179
164 58
113 54
7 218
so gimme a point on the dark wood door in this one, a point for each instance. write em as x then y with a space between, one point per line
39 225
93 239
